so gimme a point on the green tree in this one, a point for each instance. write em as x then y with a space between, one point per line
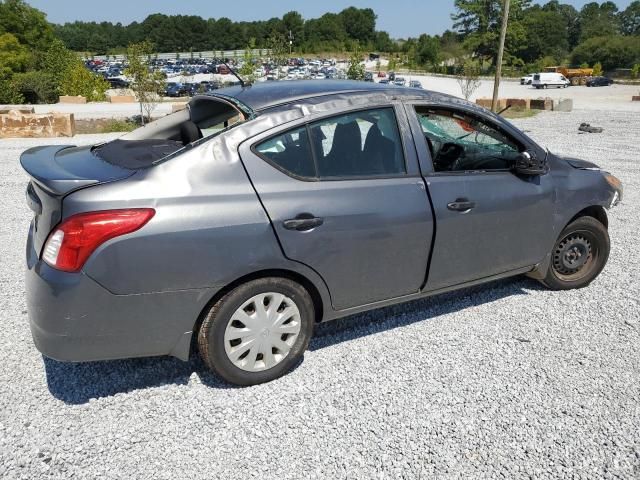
294 23
629 19
598 20
597 69
612 51
479 21
428 50
547 34
356 67
79 80
146 84
29 25
9 93
14 56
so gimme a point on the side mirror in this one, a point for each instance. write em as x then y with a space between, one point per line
528 164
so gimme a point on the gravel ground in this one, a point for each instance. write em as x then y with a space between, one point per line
505 380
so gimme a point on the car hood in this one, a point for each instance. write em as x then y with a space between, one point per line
580 164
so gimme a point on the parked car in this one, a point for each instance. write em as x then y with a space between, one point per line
118 83
599 82
527 79
399 81
382 74
415 84
192 89
243 238
546 80
368 77
384 81
174 89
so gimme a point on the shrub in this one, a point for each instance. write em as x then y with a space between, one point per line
8 92
116 125
36 87
597 69
78 80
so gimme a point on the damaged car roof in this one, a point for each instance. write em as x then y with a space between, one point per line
266 95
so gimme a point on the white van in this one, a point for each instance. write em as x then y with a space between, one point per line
545 80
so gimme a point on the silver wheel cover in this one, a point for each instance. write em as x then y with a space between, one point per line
260 334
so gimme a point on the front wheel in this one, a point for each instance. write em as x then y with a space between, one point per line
579 255
258 331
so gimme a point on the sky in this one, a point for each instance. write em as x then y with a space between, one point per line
401 18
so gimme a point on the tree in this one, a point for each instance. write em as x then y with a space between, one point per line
9 93
613 52
79 80
469 79
598 20
428 50
27 24
629 19
14 56
146 84
279 46
356 67
294 23
546 34
597 69
359 24
478 22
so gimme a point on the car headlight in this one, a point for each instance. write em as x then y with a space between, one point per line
616 184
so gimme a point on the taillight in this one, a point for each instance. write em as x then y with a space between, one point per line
75 239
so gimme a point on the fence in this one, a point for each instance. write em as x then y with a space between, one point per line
211 54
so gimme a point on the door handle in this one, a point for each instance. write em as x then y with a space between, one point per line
461 205
303 223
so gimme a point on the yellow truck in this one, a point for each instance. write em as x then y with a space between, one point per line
577 76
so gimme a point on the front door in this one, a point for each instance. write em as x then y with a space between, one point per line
489 221
346 200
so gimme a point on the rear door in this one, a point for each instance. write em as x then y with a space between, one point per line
346 198
489 221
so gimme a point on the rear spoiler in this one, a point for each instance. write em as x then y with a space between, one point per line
60 169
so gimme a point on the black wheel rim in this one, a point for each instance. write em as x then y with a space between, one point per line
575 256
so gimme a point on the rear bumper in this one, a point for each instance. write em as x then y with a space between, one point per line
73 318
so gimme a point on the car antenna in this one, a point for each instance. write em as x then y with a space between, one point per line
233 72
504 109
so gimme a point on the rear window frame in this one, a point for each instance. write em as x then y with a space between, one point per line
306 124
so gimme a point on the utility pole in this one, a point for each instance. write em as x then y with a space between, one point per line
290 42
503 35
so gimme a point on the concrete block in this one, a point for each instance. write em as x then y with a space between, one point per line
486 103
635 98
4 111
523 103
541 104
176 107
70 99
122 99
563 105
18 125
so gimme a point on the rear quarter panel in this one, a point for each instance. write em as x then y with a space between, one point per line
209 228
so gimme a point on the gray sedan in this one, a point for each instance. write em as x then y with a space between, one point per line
242 221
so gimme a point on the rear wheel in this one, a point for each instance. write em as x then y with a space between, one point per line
579 255
258 331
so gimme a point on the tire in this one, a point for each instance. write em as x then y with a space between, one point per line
216 335
579 255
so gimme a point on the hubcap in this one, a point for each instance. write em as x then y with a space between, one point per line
262 331
571 254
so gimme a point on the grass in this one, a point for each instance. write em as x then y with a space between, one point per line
519 112
115 125
104 125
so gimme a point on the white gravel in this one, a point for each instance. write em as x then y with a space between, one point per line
505 380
